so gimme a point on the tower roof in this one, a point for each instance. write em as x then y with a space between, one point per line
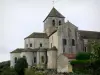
54 13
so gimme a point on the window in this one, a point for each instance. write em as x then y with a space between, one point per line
34 59
53 22
59 22
64 42
40 44
15 59
42 59
30 44
85 49
73 42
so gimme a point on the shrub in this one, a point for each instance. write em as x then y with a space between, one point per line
83 56
9 71
80 62
32 71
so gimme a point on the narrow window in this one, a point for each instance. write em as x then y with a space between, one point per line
42 59
64 42
85 49
40 44
30 44
34 59
53 22
59 22
73 42
15 59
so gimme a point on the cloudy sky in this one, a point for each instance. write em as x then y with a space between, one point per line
19 18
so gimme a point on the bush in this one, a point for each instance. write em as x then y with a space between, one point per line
83 56
32 71
80 62
4 66
9 71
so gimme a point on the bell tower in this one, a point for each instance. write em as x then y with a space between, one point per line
52 21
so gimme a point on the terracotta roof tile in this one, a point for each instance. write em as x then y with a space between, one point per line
70 56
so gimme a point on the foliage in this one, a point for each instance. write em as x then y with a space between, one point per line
32 71
20 66
95 58
80 65
80 62
83 56
9 71
4 65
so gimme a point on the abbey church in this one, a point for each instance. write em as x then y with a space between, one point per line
56 46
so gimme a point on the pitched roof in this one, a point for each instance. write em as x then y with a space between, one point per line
18 50
54 13
37 35
89 34
35 50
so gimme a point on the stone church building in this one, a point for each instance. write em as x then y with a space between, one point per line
56 46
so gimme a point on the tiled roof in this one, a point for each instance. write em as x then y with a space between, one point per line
35 50
18 50
70 56
54 13
37 35
89 34
52 33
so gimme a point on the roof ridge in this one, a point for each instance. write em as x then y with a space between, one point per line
54 13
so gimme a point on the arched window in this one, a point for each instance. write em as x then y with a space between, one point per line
53 22
40 44
34 59
59 23
85 49
73 42
15 59
30 44
42 59
64 41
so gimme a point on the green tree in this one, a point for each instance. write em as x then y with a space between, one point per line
95 57
4 65
20 66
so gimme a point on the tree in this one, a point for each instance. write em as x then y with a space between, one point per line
95 57
4 65
20 66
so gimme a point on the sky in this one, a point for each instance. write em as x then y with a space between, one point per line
20 18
